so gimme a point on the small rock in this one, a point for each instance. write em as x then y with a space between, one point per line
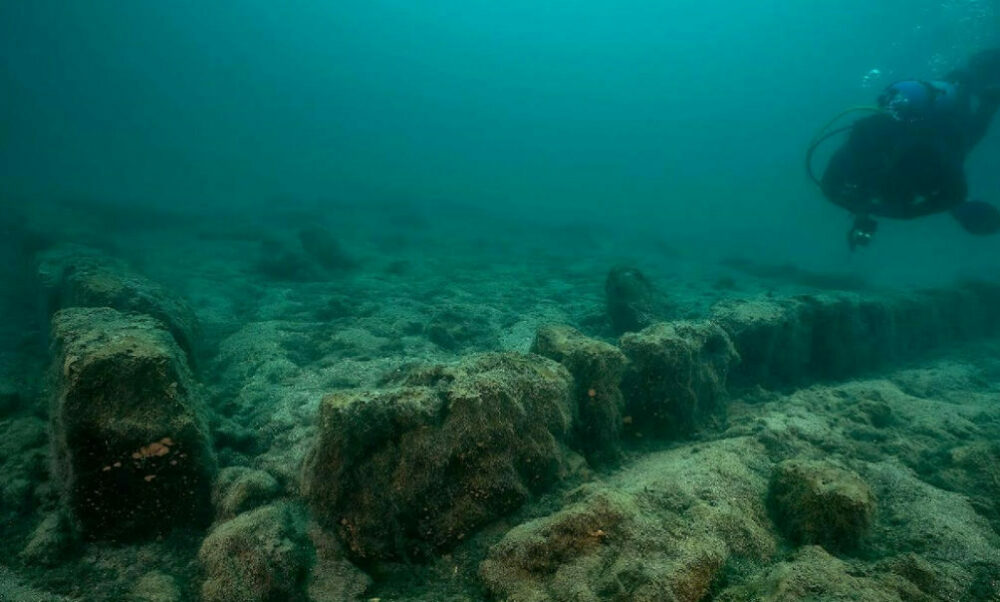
239 489
821 503
258 556
156 587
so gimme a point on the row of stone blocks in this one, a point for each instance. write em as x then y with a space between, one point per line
412 468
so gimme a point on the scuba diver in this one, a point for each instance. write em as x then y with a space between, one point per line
906 159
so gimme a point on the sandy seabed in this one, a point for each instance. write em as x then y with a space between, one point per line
402 408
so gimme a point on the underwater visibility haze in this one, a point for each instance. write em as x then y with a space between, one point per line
336 301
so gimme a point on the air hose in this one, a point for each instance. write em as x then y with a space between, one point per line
825 133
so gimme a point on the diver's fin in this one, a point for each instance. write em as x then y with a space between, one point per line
978 218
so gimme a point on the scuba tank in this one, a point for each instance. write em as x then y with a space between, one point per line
913 100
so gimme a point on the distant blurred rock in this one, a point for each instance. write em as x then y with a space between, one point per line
81 277
409 471
130 441
821 503
280 260
258 556
324 247
632 301
597 369
676 377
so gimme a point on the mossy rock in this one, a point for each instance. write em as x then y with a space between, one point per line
80 277
664 528
817 502
632 301
129 432
676 377
408 471
597 368
238 489
258 556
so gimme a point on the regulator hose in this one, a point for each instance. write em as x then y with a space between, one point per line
825 133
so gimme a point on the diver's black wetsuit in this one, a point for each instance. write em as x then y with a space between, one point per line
899 168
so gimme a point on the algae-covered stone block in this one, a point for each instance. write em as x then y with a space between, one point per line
130 442
771 337
597 368
676 376
80 277
821 503
258 556
410 470
851 334
789 341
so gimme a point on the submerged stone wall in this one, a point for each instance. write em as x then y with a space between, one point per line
131 449
81 277
130 440
413 468
436 452
790 341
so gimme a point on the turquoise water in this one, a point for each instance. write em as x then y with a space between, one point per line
686 117
315 257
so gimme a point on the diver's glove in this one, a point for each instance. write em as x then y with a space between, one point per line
860 234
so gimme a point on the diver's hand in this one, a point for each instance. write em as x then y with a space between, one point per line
860 234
